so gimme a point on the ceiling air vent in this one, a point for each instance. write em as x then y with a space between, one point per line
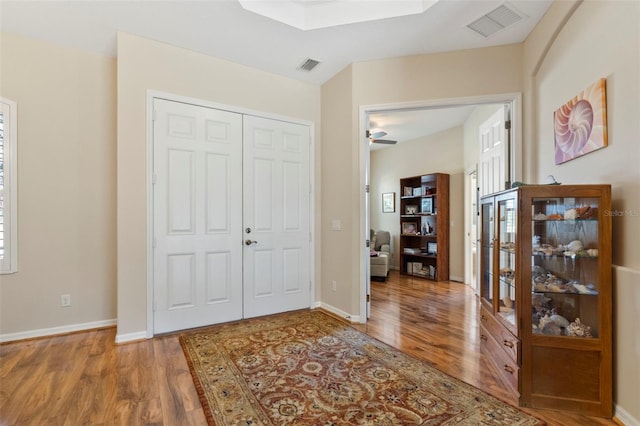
308 65
496 20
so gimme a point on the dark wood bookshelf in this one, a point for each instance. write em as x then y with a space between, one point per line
424 226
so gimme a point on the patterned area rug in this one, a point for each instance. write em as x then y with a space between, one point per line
307 368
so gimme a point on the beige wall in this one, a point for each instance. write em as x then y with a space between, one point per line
459 74
437 153
337 171
144 64
574 46
67 190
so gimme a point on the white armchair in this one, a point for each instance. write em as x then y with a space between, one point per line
380 261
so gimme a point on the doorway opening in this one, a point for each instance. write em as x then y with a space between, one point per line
410 162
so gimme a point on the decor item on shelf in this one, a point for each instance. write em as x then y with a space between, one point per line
283 369
427 205
388 202
416 267
432 248
580 125
422 272
578 329
575 246
508 303
559 320
409 228
552 180
412 210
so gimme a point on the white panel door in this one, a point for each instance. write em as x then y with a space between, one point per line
493 154
197 168
276 216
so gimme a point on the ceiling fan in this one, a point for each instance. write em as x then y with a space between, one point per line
373 137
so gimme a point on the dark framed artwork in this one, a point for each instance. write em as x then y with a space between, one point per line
427 205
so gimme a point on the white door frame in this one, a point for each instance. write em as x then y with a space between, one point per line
155 94
514 99
470 191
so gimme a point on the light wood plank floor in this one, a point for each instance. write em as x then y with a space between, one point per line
85 379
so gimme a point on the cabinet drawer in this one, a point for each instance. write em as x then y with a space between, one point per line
502 361
509 343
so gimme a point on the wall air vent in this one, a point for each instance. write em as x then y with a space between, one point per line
308 64
498 19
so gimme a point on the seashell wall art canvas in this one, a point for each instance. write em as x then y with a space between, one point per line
580 125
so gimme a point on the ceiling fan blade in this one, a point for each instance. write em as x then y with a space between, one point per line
378 134
384 141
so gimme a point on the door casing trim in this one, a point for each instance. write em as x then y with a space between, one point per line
156 94
516 165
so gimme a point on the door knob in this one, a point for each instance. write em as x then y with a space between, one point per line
249 242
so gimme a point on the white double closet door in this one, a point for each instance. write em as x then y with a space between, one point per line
231 216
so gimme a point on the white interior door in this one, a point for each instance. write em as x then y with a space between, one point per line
276 216
197 168
493 154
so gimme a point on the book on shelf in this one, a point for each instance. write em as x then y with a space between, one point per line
411 250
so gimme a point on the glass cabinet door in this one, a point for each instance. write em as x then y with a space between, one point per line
507 260
565 267
486 250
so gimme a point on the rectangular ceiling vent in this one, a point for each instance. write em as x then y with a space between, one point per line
308 65
498 19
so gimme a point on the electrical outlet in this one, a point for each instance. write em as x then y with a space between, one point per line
333 285
65 300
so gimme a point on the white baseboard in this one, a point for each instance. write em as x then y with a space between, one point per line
63 329
339 312
456 279
624 417
131 337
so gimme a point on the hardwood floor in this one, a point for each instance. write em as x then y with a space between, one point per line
84 378
438 322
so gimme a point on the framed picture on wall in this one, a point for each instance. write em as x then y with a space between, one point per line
580 125
388 202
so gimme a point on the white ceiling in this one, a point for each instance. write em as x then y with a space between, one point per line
405 126
224 29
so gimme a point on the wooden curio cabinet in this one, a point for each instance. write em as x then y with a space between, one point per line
545 321
424 226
